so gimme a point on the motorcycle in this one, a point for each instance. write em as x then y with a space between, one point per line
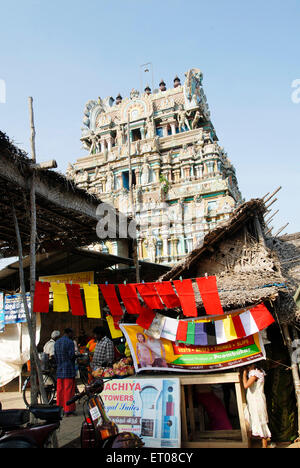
17 432
97 430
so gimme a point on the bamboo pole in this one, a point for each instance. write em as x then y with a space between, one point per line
31 332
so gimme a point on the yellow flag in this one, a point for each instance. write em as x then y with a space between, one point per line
115 333
229 329
60 297
92 305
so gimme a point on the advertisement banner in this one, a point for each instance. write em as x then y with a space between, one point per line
14 311
148 407
81 278
149 353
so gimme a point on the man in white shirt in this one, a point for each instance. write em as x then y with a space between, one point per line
49 346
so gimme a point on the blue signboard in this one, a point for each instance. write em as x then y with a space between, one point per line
2 323
14 311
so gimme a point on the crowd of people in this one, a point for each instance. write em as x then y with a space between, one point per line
63 350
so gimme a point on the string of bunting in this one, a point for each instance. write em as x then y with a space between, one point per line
157 297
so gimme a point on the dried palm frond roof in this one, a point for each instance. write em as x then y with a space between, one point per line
240 284
66 214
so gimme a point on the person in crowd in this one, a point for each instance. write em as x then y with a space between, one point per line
104 351
64 351
256 411
49 346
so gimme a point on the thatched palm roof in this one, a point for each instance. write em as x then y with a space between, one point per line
66 215
235 252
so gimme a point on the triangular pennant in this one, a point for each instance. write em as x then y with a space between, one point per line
261 316
109 293
74 296
60 297
150 295
130 299
186 295
210 295
41 297
92 304
167 294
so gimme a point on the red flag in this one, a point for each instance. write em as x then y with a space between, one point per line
74 296
149 295
130 299
210 296
261 316
41 297
182 330
167 294
145 318
109 293
186 295
239 329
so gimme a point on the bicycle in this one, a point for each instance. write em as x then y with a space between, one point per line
50 383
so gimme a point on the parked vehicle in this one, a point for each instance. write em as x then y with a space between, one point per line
17 432
97 430
49 380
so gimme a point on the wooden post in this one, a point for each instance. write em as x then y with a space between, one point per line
31 332
132 208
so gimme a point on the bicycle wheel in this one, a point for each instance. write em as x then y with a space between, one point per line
50 389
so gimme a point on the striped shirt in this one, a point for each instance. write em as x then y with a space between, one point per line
104 354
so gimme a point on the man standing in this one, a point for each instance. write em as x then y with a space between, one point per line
104 352
49 346
64 351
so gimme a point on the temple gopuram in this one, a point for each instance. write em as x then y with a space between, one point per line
183 184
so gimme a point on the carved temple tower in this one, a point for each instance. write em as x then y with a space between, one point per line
183 182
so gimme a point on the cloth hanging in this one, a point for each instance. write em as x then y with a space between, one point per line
109 293
150 295
41 297
92 305
145 318
261 316
210 295
248 323
220 331
60 297
167 294
115 333
209 328
156 326
186 295
169 330
130 299
181 330
200 335
239 329
74 296
229 329
190 336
